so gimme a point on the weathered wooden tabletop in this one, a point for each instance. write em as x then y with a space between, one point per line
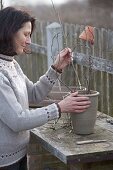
62 143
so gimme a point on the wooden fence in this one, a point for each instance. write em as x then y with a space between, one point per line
35 64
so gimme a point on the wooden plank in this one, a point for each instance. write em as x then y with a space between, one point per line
62 144
106 75
110 95
102 121
103 165
97 52
36 48
98 63
43 25
54 41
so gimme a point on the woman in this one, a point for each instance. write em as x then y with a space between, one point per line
17 91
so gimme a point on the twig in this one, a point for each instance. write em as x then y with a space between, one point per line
90 141
59 19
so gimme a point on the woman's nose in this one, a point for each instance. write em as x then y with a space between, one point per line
28 40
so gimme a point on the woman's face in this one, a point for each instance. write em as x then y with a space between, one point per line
22 38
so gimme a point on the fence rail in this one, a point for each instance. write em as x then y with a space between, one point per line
81 59
36 48
35 64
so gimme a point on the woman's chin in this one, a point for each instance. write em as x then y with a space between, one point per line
19 52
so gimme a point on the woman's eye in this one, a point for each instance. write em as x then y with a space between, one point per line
27 35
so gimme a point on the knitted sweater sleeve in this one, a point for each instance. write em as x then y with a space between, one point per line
39 90
15 117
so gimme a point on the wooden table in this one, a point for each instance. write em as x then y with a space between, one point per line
62 143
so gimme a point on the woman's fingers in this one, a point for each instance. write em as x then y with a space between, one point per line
63 58
66 50
70 103
81 107
80 99
74 94
83 103
80 111
66 53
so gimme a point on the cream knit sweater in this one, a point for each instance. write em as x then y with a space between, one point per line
16 92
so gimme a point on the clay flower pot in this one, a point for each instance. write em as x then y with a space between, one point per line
83 123
88 34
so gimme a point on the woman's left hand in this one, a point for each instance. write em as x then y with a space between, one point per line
63 59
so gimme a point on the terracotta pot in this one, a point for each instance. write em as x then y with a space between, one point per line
83 123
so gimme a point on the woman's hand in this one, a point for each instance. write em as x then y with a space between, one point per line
74 103
63 59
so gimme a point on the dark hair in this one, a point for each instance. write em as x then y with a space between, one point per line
11 20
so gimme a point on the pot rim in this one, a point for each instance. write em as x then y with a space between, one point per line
93 93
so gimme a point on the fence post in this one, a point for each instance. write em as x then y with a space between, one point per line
54 41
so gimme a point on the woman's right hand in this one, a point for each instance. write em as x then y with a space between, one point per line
74 103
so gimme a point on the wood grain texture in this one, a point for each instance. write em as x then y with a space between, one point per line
62 144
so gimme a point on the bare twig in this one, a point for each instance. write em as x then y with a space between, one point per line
65 37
